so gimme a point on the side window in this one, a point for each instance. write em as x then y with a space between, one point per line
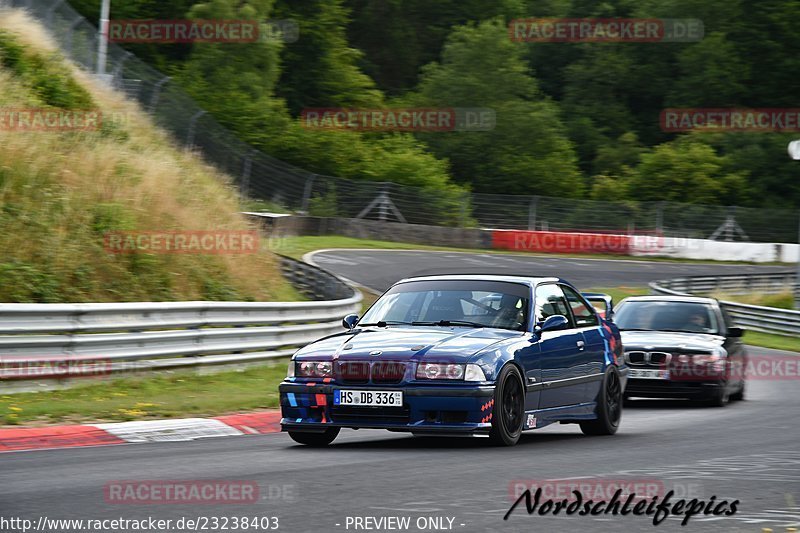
583 312
550 301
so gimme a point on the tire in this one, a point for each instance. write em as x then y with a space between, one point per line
508 413
720 397
738 396
315 439
609 406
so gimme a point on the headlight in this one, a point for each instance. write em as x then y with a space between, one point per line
290 371
705 359
314 369
474 373
440 371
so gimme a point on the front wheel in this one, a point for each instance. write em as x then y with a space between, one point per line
509 408
315 439
609 406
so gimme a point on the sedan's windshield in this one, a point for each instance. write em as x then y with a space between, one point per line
452 303
666 316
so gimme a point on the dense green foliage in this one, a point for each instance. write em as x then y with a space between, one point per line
573 119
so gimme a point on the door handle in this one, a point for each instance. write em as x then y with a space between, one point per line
581 345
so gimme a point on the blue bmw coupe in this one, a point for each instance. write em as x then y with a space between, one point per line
492 355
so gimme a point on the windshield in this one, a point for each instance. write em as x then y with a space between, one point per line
452 303
666 316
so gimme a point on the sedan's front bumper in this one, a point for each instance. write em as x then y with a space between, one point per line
426 408
654 388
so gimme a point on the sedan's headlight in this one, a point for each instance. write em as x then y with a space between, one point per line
314 369
290 371
440 371
449 371
474 373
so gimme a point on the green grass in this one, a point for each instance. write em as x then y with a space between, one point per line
174 395
783 300
298 246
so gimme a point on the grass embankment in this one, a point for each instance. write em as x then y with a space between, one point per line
61 192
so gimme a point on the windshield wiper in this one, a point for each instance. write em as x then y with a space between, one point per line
445 323
384 323
637 329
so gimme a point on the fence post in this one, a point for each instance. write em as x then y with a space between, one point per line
120 64
248 165
660 219
307 193
192 125
51 10
157 93
71 32
532 208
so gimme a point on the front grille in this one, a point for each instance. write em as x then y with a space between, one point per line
360 372
648 359
352 372
636 358
388 372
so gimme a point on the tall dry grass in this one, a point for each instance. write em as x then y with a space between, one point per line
61 192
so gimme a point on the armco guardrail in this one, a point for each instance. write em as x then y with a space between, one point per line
755 317
49 340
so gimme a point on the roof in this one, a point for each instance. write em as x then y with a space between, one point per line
668 298
527 280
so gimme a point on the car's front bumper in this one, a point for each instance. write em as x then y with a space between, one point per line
426 408
656 388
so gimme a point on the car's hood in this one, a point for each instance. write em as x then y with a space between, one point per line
666 340
404 343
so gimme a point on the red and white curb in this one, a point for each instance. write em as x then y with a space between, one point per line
180 430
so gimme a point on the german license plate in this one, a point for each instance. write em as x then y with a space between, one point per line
648 374
368 398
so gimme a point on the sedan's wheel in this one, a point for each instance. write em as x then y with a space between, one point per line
738 396
509 408
720 397
315 439
609 406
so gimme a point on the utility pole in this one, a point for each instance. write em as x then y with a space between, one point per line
794 152
102 39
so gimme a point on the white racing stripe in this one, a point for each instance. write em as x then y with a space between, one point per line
169 430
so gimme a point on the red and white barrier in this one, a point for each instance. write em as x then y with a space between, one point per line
644 246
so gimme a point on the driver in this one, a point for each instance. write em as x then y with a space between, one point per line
697 322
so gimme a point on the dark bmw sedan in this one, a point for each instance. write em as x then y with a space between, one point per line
681 347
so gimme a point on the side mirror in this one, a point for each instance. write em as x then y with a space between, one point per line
554 323
350 321
602 303
736 332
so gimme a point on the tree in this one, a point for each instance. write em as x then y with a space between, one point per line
686 170
321 69
527 152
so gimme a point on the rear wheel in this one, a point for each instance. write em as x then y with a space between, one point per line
738 396
720 397
315 439
609 406
509 408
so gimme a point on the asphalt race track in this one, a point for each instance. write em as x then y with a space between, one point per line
379 269
747 451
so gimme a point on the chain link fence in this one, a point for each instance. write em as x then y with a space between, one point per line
260 176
